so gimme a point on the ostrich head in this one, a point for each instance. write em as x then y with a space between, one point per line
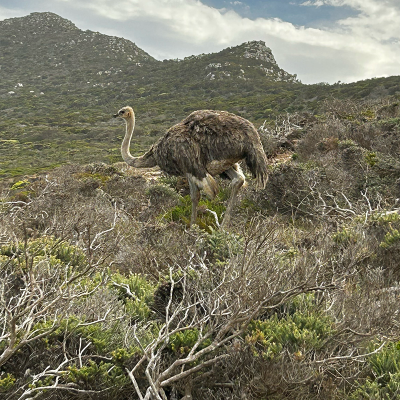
124 112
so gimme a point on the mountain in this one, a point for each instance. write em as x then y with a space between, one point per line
246 61
61 55
59 86
45 41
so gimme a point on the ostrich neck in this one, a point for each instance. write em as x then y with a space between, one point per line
145 161
126 154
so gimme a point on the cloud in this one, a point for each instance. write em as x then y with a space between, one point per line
316 3
319 3
354 48
361 52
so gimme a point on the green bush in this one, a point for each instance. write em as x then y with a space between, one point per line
298 333
371 158
205 219
6 382
345 236
20 184
135 292
97 375
182 342
384 382
220 245
391 238
47 247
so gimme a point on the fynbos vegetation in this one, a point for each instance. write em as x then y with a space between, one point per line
59 109
107 293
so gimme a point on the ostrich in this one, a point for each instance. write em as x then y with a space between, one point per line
205 144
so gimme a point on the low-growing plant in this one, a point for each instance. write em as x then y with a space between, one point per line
345 236
205 219
97 375
298 333
35 250
391 238
6 382
384 381
182 342
135 292
220 245
371 158
20 185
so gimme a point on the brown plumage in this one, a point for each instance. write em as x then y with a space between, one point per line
205 144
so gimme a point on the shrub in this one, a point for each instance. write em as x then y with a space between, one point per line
205 219
97 376
219 245
47 247
299 333
6 382
182 342
20 184
384 382
135 292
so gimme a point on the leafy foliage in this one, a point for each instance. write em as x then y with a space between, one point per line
298 333
183 342
135 292
385 380
44 248
97 376
6 382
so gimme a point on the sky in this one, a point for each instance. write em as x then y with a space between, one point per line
319 40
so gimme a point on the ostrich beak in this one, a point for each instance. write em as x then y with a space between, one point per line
115 115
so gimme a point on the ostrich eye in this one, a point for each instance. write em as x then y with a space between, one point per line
122 112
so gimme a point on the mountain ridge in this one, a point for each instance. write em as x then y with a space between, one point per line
59 86
28 36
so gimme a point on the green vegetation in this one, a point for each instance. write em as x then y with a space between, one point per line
107 293
384 382
302 286
62 112
299 334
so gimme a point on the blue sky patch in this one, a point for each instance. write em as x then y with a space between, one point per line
286 10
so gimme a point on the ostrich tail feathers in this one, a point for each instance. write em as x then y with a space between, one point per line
261 180
256 160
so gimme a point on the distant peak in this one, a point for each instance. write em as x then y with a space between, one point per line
256 43
46 14
255 49
44 20
258 50
49 17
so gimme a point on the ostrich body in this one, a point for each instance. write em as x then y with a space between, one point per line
205 144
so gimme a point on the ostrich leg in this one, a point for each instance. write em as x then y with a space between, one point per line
195 196
238 179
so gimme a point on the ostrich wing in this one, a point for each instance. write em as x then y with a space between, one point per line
177 154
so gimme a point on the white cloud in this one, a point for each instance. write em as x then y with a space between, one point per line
319 3
356 48
315 3
361 51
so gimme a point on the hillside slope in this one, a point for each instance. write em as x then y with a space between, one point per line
60 85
